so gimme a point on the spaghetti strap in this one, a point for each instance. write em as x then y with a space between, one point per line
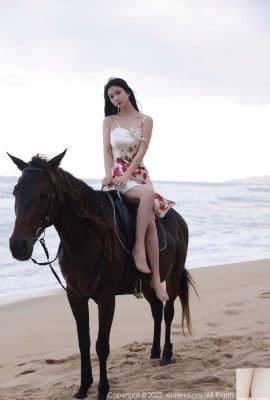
143 139
144 118
116 120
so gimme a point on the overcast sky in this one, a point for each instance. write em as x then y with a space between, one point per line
200 68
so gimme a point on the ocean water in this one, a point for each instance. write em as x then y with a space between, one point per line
227 223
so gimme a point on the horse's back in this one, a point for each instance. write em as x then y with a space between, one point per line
174 221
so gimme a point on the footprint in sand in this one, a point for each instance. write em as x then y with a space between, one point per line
162 376
261 333
215 361
130 355
213 324
128 362
57 384
208 379
60 361
50 361
27 371
136 348
114 381
231 312
229 355
235 304
265 295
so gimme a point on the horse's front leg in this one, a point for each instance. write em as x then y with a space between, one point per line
80 311
106 306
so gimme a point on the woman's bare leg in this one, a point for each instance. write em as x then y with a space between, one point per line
145 197
146 234
243 382
151 243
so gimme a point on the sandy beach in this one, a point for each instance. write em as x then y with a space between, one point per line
39 352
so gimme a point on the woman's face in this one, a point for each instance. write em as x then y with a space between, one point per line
118 96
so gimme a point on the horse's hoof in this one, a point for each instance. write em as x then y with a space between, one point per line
101 396
155 353
81 394
154 356
165 361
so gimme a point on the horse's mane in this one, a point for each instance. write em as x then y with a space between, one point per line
84 201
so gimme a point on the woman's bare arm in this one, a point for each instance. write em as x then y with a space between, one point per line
107 149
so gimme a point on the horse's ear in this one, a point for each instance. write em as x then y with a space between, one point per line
55 162
20 163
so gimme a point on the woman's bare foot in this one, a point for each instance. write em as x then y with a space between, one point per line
160 292
140 260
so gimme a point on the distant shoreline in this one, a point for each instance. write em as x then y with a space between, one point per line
256 180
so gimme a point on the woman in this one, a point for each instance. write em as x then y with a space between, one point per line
253 382
126 137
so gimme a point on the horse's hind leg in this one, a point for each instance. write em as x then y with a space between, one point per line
172 291
168 317
177 285
157 313
80 311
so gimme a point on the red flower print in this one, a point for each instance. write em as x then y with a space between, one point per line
116 172
144 176
119 161
159 197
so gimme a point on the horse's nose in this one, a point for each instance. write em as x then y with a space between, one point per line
19 248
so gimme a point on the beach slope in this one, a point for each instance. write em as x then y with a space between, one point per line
39 352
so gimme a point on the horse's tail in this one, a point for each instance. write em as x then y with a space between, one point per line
185 281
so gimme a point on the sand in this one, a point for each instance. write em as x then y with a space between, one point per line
39 352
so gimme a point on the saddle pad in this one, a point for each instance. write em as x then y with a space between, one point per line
125 222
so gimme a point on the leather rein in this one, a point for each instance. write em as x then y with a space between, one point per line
42 230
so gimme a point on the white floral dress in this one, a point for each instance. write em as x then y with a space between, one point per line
125 144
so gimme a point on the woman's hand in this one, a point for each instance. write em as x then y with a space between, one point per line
108 180
120 181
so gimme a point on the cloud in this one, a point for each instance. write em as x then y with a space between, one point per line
196 48
213 48
193 65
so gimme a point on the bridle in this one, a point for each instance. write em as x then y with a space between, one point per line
48 218
42 230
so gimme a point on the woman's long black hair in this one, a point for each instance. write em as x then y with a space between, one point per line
109 108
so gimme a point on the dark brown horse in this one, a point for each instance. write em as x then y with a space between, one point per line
93 263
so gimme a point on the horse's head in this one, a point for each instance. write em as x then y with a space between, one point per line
34 195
